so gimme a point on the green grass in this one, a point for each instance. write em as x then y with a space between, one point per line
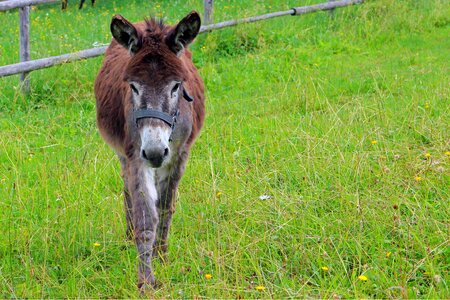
331 116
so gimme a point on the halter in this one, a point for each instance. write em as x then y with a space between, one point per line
170 120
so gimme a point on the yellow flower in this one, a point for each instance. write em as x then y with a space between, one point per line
362 278
447 153
374 142
260 288
96 244
325 268
208 276
427 155
418 178
388 254
219 194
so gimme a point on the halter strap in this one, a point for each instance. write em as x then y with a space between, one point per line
151 113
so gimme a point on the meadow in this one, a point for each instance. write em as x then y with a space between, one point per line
322 170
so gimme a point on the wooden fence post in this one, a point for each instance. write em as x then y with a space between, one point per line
24 15
331 11
208 8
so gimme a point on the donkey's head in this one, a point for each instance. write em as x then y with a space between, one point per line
155 75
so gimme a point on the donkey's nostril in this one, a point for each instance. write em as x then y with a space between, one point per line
144 155
166 152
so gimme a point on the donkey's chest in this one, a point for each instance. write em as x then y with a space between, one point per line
156 180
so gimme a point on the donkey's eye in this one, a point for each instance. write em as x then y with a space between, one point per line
175 88
134 89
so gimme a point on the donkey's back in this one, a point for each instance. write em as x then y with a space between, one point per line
150 108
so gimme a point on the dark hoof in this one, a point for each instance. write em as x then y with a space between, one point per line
147 289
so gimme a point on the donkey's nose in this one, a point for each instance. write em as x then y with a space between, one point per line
155 156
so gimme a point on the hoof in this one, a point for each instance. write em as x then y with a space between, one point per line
147 288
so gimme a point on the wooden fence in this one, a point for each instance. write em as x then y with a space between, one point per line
26 65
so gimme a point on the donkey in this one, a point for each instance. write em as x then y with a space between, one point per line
150 109
82 2
64 4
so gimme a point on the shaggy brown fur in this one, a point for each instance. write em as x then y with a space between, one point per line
153 56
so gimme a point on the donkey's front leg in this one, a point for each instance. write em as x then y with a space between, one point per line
166 208
145 218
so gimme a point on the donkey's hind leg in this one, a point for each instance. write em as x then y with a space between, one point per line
127 198
64 4
166 207
81 4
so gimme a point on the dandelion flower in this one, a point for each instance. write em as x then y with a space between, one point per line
388 254
427 155
325 268
447 153
260 288
362 278
417 178
374 142
96 244
219 194
208 276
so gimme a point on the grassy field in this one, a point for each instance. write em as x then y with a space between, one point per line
341 122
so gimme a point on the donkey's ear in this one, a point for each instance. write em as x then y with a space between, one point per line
126 34
184 33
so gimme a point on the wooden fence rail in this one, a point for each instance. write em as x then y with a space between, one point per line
27 66
11 4
296 11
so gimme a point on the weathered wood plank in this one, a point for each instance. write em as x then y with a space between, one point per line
11 4
208 16
24 32
324 6
293 11
331 11
207 28
49 61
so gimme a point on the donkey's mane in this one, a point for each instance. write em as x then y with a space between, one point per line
154 25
